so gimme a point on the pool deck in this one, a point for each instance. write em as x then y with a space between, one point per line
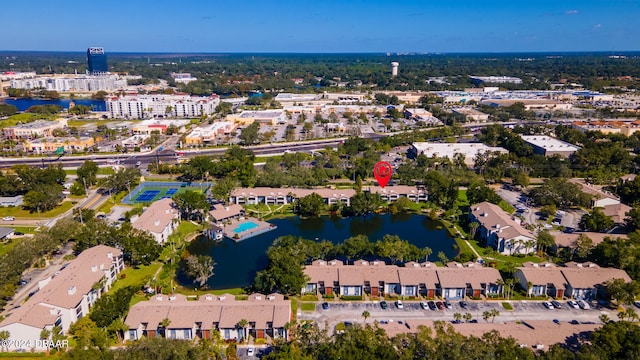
262 228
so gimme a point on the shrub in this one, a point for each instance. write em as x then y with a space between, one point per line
351 297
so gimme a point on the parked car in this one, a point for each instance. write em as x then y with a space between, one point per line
325 306
636 304
8 218
556 222
556 304
573 304
440 305
18 233
583 305
548 305
383 304
447 304
432 305
463 304
424 305
399 304
251 351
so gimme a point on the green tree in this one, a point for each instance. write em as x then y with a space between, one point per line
191 204
4 335
223 188
365 315
310 205
249 135
545 240
87 173
365 203
596 221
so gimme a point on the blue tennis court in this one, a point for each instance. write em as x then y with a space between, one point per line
171 191
147 195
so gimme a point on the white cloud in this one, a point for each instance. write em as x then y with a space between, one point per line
597 26
571 12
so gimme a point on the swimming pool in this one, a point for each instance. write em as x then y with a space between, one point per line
245 226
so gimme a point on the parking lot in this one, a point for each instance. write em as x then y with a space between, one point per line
522 310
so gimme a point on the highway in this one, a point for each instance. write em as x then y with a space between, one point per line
167 155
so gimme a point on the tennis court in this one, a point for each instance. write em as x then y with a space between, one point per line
151 191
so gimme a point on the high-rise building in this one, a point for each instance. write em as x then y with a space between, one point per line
394 68
97 61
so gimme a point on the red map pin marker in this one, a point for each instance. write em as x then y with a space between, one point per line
382 171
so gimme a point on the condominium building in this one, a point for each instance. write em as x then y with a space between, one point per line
160 106
159 219
69 83
266 317
501 231
64 298
183 78
38 128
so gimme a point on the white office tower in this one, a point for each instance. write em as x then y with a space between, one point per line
394 68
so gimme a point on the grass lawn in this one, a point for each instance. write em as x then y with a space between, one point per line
21 213
25 229
5 246
135 277
507 306
308 307
105 171
503 259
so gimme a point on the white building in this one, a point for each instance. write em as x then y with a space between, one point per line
501 231
449 150
68 83
548 146
183 78
263 117
161 105
209 133
134 141
471 114
496 79
159 219
289 97
63 299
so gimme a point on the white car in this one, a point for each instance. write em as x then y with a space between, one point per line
399 304
8 218
424 305
573 304
548 305
583 305
251 351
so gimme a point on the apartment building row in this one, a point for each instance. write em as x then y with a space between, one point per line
455 281
161 106
376 278
574 280
62 299
281 196
176 317
500 230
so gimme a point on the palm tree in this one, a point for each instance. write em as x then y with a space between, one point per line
427 251
365 315
243 323
493 314
510 284
457 317
604 318
473 227
467 317
500 283
163 326
530 288
486 315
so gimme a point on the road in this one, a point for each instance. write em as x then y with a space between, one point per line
168 154
522 310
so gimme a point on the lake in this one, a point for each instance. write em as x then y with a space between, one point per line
24 104
238 262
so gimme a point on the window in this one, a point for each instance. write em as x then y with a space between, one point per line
186 334
133 335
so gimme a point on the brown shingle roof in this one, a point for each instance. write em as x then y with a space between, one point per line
456 275
210 309
589 275
543 274
221 212
568 240
493 218
157 216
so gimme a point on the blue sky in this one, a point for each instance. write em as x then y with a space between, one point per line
321 26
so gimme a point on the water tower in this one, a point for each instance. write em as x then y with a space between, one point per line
394 68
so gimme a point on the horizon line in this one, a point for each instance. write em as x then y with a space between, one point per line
389 53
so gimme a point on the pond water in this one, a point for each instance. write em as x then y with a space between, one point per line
24 104
238 262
